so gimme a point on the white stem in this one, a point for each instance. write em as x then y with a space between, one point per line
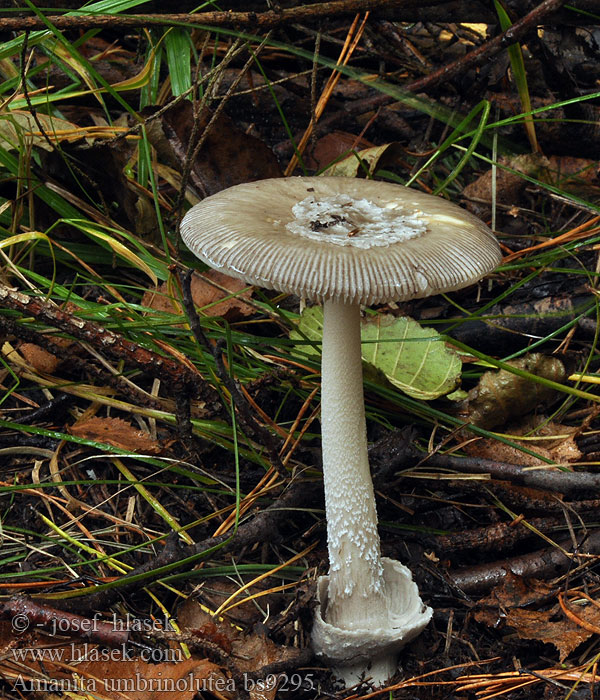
356 595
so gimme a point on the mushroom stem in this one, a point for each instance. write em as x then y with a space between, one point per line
356 594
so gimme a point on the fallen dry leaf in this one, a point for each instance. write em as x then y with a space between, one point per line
515 590
227 156
116 432
138 680
506 606
40 665
38 358
207 295
509 184
573 173
561 450
544 626
489 448
250 651
333 145
212 299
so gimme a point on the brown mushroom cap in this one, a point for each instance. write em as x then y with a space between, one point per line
350 240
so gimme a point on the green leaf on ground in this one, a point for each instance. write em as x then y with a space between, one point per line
310 328
412 358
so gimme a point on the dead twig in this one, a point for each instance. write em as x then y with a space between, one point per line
493 537
107 342
551 479
30 614
254 21
396 452
67 356
484 52
474 58
548 562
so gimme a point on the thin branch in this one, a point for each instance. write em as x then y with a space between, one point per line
108 342
482 54
253 21
551 479
543 563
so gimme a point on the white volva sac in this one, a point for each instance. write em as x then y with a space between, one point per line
345 242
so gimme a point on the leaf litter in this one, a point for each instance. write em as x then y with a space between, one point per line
214 293
531 609
116 432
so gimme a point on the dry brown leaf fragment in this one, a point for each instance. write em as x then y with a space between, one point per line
573 174
159 299
184 680
116 432
332 146
251 652
544 626
227 156
515 590
213 292
509 183
489 448
254 652
72 668
211 298
556 443
505 605
40 359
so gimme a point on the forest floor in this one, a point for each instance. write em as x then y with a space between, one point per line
161 502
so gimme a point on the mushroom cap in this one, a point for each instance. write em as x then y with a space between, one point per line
340 239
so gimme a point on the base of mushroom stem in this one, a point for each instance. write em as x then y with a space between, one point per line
372 653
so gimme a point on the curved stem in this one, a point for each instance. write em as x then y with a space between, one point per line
356 596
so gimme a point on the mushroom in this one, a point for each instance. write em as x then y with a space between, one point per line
346 242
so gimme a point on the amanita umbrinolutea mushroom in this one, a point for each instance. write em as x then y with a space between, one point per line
346 242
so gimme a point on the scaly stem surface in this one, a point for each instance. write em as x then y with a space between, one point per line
356 594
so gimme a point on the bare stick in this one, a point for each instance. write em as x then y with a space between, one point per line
107 342
254 21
